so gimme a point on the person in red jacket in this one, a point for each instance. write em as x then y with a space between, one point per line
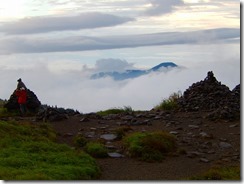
22 96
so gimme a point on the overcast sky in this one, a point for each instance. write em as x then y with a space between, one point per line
55 45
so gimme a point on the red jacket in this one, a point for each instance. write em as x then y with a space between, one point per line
22 96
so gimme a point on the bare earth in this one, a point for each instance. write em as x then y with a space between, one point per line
205 143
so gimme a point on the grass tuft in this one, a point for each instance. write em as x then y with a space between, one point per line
149 146
220 173
169 103
96 149
125 109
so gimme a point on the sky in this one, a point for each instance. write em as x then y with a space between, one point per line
56 45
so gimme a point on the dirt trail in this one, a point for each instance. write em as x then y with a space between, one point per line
206 144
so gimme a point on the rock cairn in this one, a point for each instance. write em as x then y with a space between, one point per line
212 96
32 102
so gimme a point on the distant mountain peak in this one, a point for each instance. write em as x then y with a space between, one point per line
129 74
164 64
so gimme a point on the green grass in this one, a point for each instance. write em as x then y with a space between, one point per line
151 146
80 141
27 152
220 173
125 109
96 149
121 131
169 103
5 113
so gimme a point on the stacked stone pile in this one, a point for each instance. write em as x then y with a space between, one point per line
210 95
32 103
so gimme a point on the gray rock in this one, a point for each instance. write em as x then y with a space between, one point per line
204 160
205 135
115 155
225 145
193 126
108 137
232 126
174 132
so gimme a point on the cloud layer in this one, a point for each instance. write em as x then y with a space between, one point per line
71 87
69 23
82 43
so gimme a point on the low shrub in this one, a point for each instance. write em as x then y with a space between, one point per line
125 109
121 131
149 146
220 173
96 149
80 140
170 103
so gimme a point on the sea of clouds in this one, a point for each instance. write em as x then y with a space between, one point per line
67 83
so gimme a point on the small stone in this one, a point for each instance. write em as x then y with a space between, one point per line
205 135
115 155
232 126
193 154
157 117
193 126
174 132
204 160
108 137
225 145
84 120
121 123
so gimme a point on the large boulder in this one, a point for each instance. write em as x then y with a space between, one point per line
212 96
32 103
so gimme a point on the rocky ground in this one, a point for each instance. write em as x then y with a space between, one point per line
204 143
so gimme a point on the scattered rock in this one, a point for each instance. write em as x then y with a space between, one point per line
51 114
108 137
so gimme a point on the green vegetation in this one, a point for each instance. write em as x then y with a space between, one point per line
121 131
27 152
220 173
125 109
149 146
169 103
4 112
96 149
80 141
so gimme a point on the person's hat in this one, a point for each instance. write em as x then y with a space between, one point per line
19 80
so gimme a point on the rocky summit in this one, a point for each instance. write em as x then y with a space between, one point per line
210 95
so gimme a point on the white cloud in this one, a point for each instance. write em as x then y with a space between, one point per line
78 43
46 24
105 65
159 7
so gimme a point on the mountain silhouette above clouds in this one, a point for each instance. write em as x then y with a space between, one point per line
129 74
